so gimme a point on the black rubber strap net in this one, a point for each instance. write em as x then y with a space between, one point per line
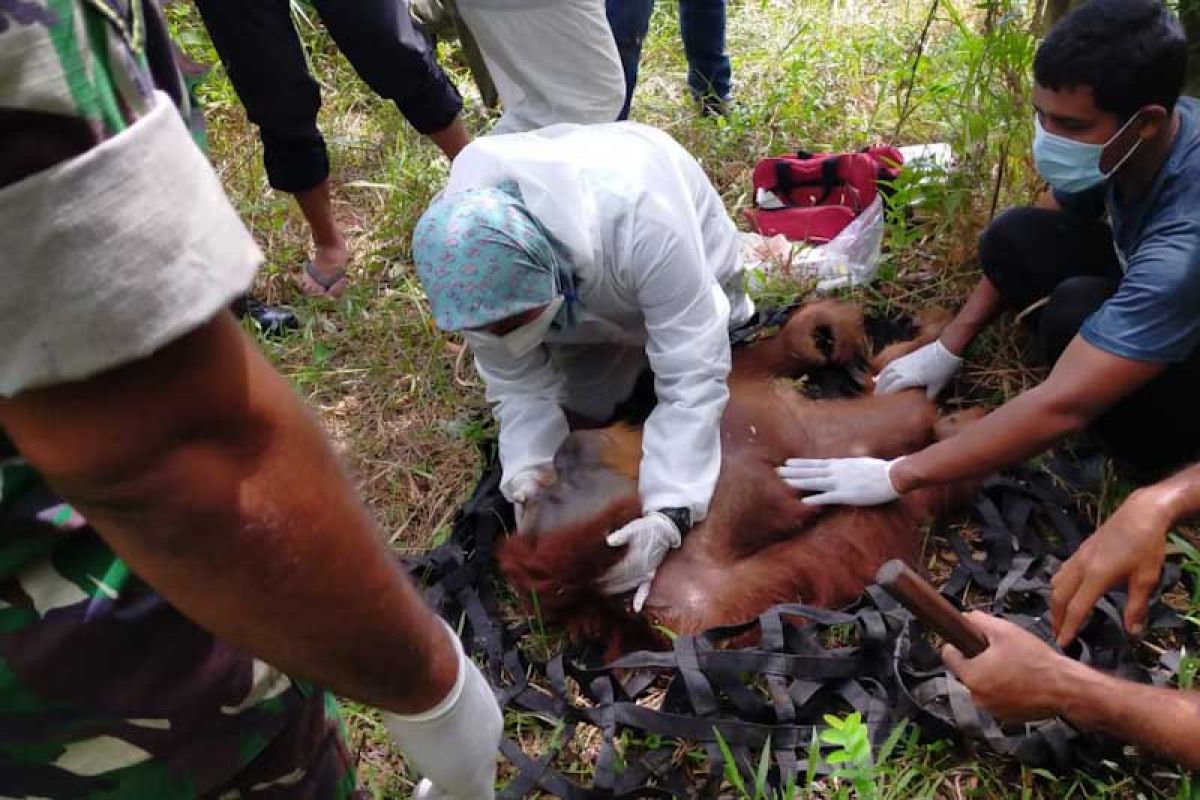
872 657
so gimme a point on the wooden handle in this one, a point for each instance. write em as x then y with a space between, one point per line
930 607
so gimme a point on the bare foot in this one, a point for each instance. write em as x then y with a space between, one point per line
326 275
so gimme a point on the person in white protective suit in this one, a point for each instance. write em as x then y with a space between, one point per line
552 61
573 258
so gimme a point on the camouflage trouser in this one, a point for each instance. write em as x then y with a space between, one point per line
107 692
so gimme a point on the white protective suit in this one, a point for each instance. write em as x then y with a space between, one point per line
552 61
656 263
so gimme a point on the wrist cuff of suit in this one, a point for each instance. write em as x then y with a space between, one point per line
681 517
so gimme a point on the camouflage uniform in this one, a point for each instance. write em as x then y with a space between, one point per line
106 691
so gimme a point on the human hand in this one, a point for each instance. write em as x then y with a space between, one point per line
648 539
1129 548
930 367
1014 679
526 485
455 743
840 481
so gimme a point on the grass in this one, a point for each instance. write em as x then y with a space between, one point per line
405 410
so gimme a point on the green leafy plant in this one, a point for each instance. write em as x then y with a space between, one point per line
852 758
759 789
903 768
1177 545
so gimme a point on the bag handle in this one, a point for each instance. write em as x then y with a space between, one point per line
830 180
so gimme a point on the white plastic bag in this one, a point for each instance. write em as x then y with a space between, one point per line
851 258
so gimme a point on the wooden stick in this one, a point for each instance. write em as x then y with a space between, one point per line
935 611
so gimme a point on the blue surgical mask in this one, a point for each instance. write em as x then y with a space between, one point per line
1071 166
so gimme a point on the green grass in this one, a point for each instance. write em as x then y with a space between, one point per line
406 410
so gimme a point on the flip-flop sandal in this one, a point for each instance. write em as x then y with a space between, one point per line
327 284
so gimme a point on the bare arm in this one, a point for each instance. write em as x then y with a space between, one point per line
1084 383
451 139
1020 678
1178 495
1166 721
983 305
201 469
977 313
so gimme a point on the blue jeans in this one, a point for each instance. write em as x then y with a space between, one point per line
702 27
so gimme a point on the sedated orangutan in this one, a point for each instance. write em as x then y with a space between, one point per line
759 545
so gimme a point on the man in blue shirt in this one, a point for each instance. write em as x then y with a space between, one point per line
1105 269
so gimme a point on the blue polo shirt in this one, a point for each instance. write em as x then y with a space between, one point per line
1154 315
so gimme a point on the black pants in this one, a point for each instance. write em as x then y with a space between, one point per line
265 61
1030 254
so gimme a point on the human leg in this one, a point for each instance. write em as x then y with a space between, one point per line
552 62
1026 252
326 275
630 21
382 43
265 61
1154 429
1072 301
179 712
710 75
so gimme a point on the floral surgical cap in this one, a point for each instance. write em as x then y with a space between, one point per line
482 258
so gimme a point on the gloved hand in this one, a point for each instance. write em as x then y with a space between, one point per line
931 367
648 538
455 743
427 791
526 485
841 481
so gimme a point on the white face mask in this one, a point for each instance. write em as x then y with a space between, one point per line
522 340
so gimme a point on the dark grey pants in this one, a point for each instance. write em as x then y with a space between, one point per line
265 60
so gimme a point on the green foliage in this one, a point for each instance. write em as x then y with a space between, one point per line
903 768
852 758
759 790
1190 563
1189 664
967 85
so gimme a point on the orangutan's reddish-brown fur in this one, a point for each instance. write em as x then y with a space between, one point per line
759 545
930 324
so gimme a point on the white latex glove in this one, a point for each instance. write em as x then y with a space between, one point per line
527 485
841 481
455 743
930 367
427 791
648 538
